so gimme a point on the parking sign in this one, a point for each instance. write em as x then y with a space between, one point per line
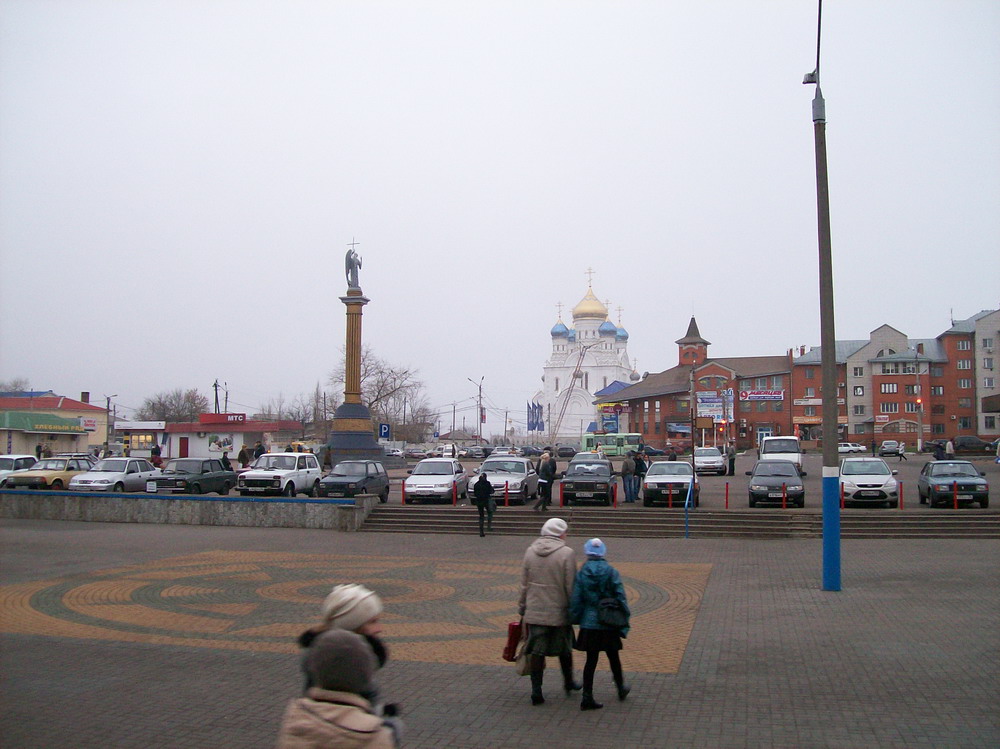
384 432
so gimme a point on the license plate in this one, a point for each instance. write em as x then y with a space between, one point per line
336 494
151 487
255 488
965 496
774 494
866 494
585 494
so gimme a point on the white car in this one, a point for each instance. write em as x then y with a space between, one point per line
281 473
669 481
436 478
850 447
393 452
709 459
868 481
515 476
11 463
115 475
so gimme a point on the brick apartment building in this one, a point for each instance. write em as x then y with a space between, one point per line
888 387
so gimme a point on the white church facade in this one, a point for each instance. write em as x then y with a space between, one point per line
586 358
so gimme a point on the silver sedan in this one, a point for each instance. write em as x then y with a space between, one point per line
115 475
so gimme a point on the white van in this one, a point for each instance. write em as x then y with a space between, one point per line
781 448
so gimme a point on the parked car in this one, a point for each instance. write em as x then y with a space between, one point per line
393 452
655 451
709 459
281 473
971 444
770 480
850 447
436 478
49 473
193 476
350 478
941 480
504 450
531 451
566 451
781 448
115 475
512 474
588 481
929 446
668 481
476 453
868 481
888 447
11 463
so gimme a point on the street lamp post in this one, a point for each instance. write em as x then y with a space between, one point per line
828 340
107 423
479 403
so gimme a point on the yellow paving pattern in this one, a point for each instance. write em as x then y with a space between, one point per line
437 610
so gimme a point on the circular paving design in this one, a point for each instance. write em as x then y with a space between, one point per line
436 610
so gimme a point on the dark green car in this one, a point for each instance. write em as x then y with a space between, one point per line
192 476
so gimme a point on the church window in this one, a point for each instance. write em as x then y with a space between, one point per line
605 382
557 384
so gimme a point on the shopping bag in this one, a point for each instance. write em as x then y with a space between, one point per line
513 640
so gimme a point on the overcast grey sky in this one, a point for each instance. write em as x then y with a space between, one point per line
179 182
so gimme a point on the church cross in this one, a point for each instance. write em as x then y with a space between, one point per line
589 273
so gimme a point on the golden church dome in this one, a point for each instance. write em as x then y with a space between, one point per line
590 306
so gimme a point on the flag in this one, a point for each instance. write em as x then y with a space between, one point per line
539 418
531 417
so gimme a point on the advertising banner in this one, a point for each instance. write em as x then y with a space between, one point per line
762 395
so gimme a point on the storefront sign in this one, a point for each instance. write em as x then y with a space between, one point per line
762 395
88 423
222 418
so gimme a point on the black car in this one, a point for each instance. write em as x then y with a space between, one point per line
531 450
566 451
588 481
193 476
941 480
769 476
350 478
653 451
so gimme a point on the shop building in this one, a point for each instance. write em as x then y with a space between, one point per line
92 419
31 433
215 434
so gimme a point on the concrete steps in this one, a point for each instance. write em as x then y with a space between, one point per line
664 523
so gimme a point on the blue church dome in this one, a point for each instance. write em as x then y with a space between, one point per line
622 334
607 328
559 329
572 335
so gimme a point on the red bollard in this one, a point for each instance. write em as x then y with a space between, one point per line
901 495
727 495
954 492
670 498
841 496
614 495
454 493
403 487
784 498
560 494
506 494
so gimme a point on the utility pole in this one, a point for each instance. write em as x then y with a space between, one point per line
453 419
505 427
216 386
225 387
479 402
107 423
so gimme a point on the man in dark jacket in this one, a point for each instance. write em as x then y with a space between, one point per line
482 493
546 479
258 450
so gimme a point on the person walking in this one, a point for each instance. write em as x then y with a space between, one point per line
731 457
547 575
902 452
258 449
628 475
939 451
546 470
672 454
482 493
640 471
595 581
949 450
225 462
874 448
243 457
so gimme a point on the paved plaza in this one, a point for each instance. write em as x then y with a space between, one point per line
183 636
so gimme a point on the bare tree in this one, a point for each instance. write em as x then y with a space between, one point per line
274 408
173 405
15 385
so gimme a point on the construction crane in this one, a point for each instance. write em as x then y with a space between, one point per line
554 432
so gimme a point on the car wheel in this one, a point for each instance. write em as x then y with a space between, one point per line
195 488
753 502
289 489
226 488
800 503
894 504
119 487
922 498
384 497
984 503
314 492
57 484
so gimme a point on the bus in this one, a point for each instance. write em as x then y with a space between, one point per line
612 443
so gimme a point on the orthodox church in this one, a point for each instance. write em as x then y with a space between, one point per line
587 359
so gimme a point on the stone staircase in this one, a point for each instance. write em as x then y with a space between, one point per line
665 523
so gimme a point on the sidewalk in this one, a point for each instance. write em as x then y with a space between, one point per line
140 635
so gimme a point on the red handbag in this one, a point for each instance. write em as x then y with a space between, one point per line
513 640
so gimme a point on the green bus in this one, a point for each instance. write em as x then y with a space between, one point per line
613 443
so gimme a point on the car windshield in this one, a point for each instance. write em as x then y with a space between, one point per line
349 469
279 462
775 469
589 469
707 452
889 443
433 469
953 469
780 446
111 465
183 466
503 466
6 464
865 468
669 468
52 464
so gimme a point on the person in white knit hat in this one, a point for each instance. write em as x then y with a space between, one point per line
546 586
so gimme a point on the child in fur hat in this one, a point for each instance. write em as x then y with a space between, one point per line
335 711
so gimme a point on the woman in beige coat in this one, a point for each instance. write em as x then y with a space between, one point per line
546 586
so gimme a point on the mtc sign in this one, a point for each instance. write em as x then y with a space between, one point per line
222 418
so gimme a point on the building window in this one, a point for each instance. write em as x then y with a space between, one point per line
965 402
557 384
746 384
860 428
683 406
937 371
937 409
778 382
913 390
656 427
909 368
912 408
859 371
887 387
937 389
988 362
810 392
809 373
964 422
889 408
989 382
761 383
965 345
859 390
989 422
744 405
987 343
859 410
810 411
605 382
777 406
761 406
965 384
937 428
965 363
892 368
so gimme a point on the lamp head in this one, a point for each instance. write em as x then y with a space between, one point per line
812 77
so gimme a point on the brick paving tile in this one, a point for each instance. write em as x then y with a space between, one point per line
138 636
